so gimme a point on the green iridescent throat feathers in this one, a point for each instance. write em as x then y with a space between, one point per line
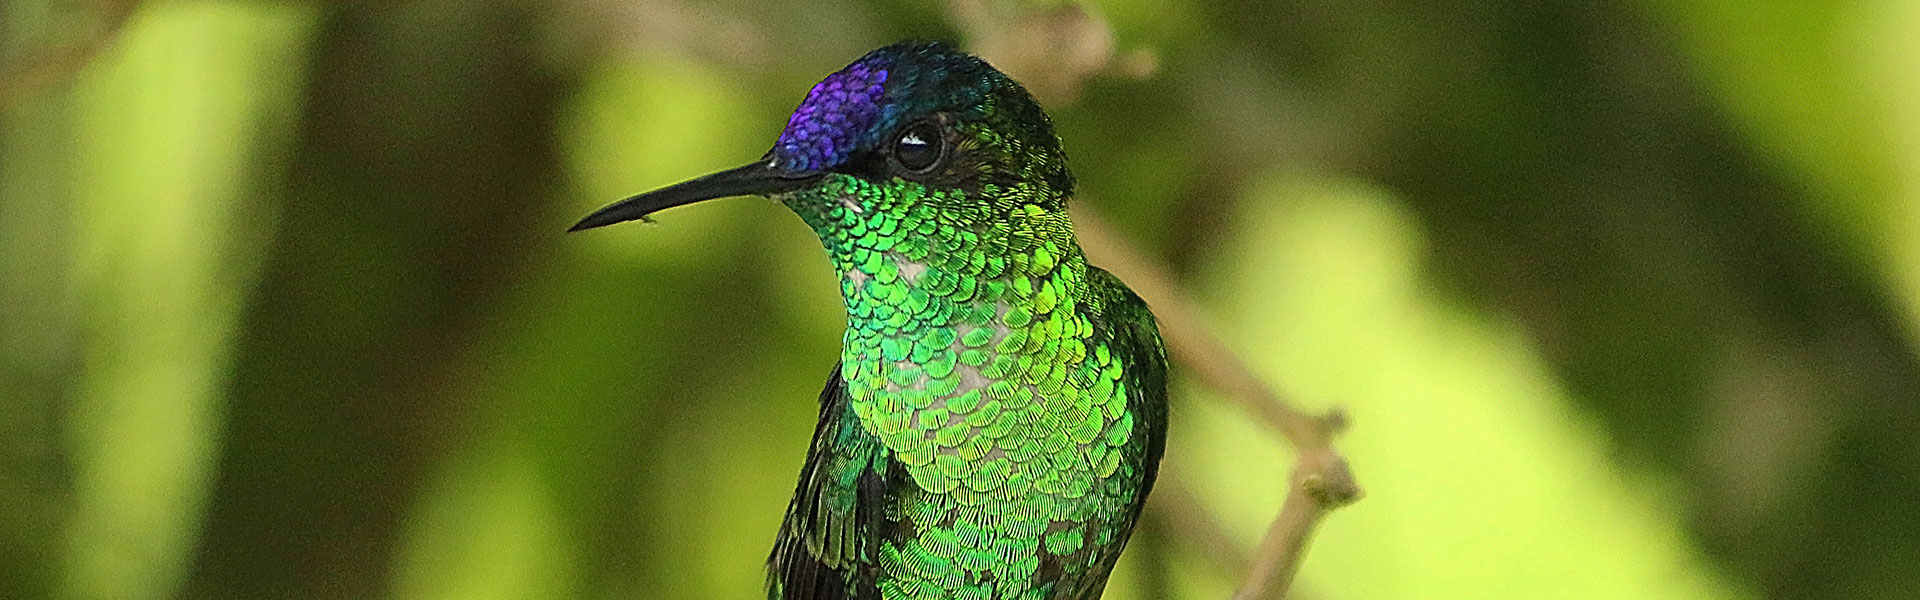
999 410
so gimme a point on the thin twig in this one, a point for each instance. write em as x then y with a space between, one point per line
1051 49
1179 510
30 76
1320 481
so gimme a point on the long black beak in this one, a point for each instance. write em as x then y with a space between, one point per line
761 178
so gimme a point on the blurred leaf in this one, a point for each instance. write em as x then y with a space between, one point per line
1479 484
39 339
170 126
1831 88
488 529
420 178
660 487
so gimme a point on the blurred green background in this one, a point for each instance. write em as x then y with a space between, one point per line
1622 297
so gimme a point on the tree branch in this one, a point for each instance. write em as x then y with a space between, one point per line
1320 481
1051 49
1179 510
29 76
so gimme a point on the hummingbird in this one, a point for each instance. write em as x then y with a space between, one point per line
998 412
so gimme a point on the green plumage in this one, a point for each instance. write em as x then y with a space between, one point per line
999 409
1007 398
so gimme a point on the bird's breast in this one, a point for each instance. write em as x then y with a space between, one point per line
985 388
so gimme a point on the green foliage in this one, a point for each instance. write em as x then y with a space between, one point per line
165 224
1829 90
1483 479
1622 298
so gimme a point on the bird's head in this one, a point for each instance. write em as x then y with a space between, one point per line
913 133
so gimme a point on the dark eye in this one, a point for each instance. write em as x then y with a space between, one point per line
919 146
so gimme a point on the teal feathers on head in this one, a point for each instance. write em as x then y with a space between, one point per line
850 111
858 110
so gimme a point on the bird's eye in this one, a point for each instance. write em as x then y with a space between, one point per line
919 147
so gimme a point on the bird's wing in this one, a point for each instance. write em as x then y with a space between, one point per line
1131 332
1127 329
830 543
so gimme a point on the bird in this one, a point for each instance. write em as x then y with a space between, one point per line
998 413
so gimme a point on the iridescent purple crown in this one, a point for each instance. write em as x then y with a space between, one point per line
838 115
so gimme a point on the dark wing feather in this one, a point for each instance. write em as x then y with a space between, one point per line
1130 331
1135 336
827 547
